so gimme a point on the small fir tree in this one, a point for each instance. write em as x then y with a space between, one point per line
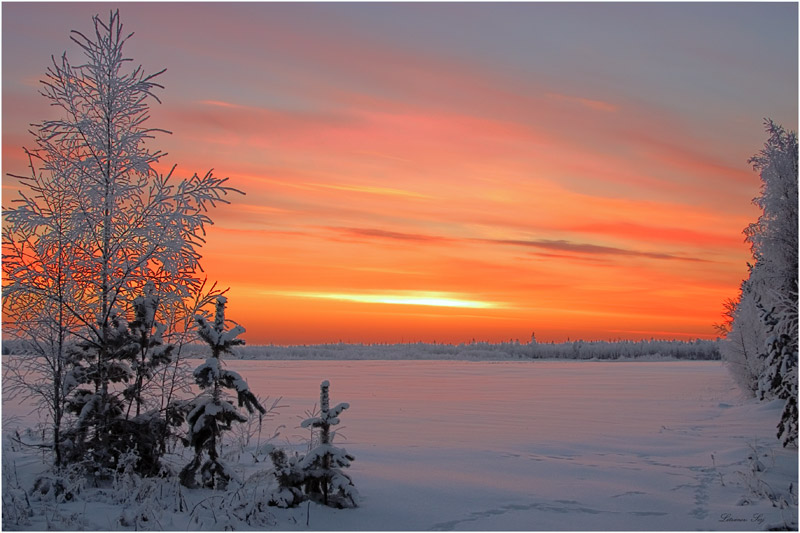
97 406
152 352
105 428
322 466
290 478
211 413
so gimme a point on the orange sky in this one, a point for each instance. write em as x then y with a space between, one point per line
449 172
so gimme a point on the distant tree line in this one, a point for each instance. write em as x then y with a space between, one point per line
699 349
695 350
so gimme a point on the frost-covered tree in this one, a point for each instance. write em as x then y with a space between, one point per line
211 413
766 313
152 352
773 238
40 299
744 339
323 465
134 354
94 222
290 478
779 378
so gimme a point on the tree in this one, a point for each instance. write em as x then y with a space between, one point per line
135 352
774 243
765 319
211 413
744 339
323 465
38 269
290 478
95 223
773 237
148 337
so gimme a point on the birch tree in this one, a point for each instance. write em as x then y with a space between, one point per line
41 302
95 222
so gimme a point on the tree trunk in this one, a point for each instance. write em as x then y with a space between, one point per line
325 438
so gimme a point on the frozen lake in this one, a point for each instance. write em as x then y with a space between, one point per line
545 445
502 406
530 445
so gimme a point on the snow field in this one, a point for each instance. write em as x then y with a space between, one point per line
454 445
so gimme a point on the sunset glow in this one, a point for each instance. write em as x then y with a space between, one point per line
432 299
449 172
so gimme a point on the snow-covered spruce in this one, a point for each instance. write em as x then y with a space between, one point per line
105 389
290 479
210 413
152 351
324 479
779 378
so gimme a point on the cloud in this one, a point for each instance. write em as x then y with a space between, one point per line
678 154
559 245
227 122
368 189
663 234
392 235
586 248
597 105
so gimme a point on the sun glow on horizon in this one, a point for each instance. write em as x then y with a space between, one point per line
421 298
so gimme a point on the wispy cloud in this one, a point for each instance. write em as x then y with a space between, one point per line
650 233
371 189
597 105
587 248
392 235
560 245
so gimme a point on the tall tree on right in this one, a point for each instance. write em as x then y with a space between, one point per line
767 305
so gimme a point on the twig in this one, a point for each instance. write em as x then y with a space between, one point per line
19 440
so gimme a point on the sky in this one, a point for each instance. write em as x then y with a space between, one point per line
453 171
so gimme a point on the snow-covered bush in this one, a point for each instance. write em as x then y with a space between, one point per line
290 479
63 485
96 437
322 466
211 413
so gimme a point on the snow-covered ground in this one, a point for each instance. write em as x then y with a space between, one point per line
457 445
